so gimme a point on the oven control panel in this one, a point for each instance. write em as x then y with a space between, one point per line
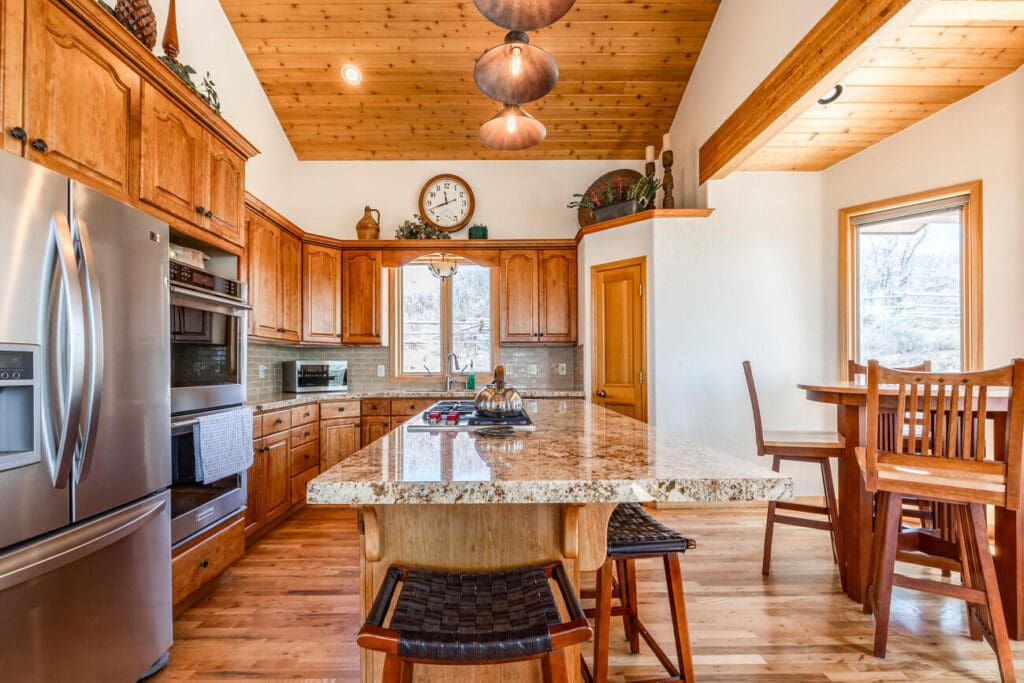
184 274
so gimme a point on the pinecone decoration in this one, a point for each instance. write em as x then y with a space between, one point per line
138 16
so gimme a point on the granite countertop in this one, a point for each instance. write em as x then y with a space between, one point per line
273 401
580 453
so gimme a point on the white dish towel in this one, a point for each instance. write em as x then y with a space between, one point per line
225 443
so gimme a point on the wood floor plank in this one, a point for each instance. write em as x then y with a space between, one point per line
289 610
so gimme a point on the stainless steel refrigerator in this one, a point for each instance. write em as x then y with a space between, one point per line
85 566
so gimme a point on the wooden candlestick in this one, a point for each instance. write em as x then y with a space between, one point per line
650 169
668 202
170 43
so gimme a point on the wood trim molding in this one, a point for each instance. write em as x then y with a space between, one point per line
831 49
972 273
254 203
642 216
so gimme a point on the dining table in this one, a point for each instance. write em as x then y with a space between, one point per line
856 504
492 499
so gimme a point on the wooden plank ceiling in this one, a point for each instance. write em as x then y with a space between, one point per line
624 67
949 49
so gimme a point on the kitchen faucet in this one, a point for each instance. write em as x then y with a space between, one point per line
449 373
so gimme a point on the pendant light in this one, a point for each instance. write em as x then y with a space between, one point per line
515 72
443 266
512 129
523 15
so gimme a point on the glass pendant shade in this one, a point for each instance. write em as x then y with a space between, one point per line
512 129
523 15
443 266
515 72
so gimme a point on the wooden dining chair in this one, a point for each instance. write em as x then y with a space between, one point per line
799 446
942 453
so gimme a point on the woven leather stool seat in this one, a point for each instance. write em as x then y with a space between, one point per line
451 617
633 532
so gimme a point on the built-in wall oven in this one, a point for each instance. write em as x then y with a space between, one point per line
209 317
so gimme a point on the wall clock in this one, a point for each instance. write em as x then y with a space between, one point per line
446 202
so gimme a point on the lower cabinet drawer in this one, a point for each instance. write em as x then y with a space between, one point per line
305 434
333 409
407 407
299 485
304 457
206 559
277 421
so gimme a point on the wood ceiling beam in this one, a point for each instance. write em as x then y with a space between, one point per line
832 48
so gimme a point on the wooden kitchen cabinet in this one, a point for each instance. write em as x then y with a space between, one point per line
339 438
172 155
361 296
321 294
224 196
199 560
274 478
80 103
537 296
373 428
275 280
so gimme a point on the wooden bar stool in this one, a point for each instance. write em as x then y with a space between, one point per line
466 618
941 453
633 535
799 446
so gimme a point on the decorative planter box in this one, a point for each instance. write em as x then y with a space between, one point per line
606 213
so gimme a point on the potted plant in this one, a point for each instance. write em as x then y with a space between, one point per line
617 199
417 229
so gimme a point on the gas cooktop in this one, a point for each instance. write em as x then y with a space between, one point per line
463 416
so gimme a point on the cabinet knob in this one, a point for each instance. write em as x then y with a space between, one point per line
306 456
200 210
208 214
40 145
341 410
204 564
601 393
278 421
307 433
18 133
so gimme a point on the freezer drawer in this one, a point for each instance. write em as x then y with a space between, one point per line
92 602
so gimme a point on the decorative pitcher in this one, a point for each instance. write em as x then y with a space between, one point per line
368 228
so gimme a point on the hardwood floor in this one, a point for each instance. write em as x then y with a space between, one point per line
288 609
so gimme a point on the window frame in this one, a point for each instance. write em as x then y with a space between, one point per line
483 376
971 281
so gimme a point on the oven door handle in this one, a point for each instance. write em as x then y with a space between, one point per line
207 302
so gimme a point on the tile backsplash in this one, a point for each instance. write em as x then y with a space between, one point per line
526 367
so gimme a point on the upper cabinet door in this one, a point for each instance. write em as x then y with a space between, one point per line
321 294
264 277
172 157
226 191
558 285
81 103
290 308
361 302
519 297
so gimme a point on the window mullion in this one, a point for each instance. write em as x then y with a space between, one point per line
446 321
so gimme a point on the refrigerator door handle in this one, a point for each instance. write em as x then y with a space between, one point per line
51 554
93 326
66 342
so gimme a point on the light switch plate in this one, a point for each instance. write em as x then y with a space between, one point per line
263 371
380 370
531 369
561 368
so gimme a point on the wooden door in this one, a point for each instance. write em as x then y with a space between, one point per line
172 157
264 277
225 191
81 103
321 294
374 428
275 482
290 308
557 311
339 438
620 337
518 298
361 295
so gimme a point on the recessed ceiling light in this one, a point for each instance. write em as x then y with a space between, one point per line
832 95
351 74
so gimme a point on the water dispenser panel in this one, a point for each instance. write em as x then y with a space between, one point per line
19 406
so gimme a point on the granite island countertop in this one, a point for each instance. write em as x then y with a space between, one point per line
281 399
580 453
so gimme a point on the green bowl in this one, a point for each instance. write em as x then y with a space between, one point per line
478 232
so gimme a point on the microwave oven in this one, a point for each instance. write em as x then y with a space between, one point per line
301 376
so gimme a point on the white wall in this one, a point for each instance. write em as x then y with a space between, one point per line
515 200
747 40
982 137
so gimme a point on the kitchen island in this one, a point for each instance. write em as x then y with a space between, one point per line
461 500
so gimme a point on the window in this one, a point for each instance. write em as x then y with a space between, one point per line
910 285
434 317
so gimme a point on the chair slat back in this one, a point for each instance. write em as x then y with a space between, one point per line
939 443
855 369
887 420
755 406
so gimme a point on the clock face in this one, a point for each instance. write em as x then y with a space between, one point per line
446 202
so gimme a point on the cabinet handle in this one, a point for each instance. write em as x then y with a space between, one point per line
307 433
40 145
204 564
306 456
208 214
18 133
278 421
341 410
200 210
601 393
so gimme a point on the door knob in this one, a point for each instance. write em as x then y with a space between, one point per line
601 393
